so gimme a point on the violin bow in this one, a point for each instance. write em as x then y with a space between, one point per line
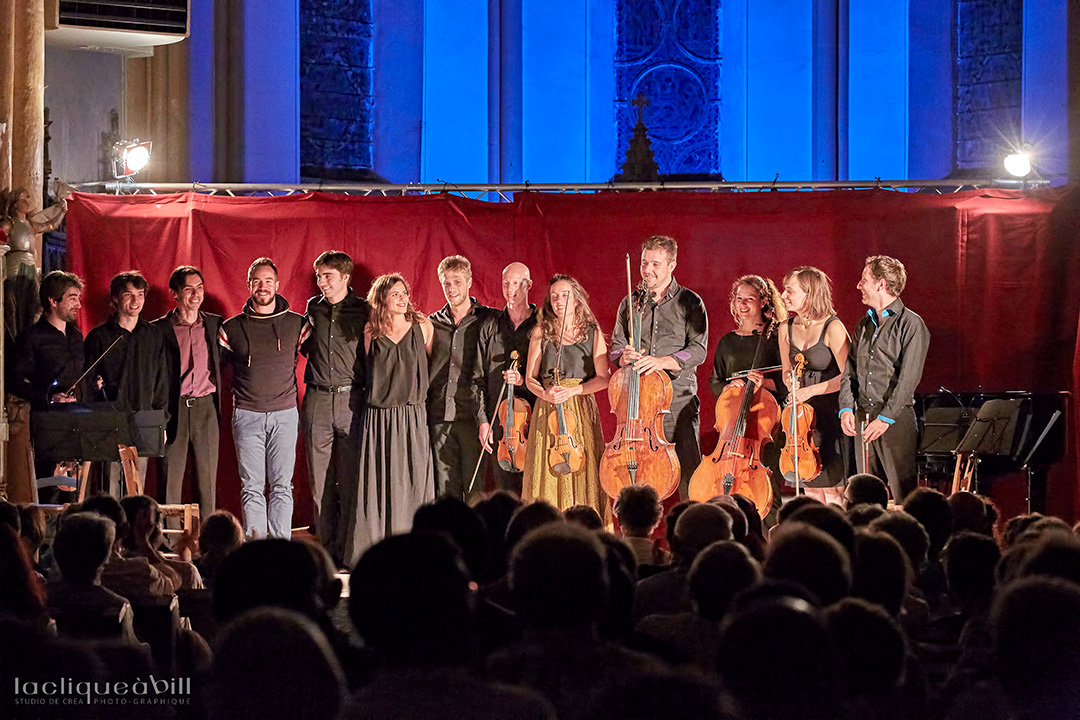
93 365
629 301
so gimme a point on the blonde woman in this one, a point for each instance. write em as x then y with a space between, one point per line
396 474
817 334
583 370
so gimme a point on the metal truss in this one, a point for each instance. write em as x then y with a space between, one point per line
504 192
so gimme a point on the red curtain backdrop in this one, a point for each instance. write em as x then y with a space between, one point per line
990 271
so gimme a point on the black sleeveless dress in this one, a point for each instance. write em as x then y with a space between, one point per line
821 366
396 474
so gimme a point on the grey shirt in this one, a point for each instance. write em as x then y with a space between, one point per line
885 363
677 326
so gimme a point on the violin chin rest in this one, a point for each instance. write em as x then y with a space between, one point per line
507 465
562 468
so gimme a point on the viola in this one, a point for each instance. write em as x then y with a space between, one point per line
800 460
565 455
745 420
513 430
639 454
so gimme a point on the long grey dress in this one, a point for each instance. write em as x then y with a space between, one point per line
395 456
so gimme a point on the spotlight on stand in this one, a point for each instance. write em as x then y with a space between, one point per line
130 157
1018 164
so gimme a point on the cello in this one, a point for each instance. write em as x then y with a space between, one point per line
565 455
800 460
745 418
516 415
639 454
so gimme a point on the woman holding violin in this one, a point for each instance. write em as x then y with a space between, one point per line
754 303
567 365
817 335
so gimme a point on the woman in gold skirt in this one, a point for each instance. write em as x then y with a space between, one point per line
566 335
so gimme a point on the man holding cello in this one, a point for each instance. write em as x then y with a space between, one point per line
674 338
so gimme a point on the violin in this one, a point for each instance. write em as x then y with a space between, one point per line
800 460
745 419
639 454
565 455
513 431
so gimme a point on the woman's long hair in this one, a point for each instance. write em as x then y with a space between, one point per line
579 324
772 307
818 288
380 309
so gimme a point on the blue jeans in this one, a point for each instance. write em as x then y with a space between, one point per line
266 450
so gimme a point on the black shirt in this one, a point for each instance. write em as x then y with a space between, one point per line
454 370
498 338
136 371
676 325
735 353
335 347
45 362
885 363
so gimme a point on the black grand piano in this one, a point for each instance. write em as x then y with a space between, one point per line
1000 432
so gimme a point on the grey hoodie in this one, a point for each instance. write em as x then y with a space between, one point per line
264 350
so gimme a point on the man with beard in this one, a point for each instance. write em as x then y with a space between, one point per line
674 338
47 360
263 343
505 331
454 369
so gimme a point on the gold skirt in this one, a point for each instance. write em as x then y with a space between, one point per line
539 482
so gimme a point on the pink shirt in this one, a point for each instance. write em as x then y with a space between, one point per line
194 358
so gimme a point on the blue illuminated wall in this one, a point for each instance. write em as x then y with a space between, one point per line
669 51
335 87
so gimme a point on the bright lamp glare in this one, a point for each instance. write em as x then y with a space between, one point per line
137 157
1018 164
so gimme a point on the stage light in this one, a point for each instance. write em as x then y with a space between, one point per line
130 157
1018 164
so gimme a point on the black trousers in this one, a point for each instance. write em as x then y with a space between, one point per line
196 430
892 456
331 424
455 447
682 427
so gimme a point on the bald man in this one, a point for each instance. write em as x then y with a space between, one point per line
506 331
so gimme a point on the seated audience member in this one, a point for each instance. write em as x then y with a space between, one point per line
907 531
21 592
719 573
791 507
778 658
136 578
616 621
559 583
32 532
584 516
144 537
831 520
970 560
220 535
410 599
755 530
1055 554
9 515
496 511
455 518
273 663
971 513
638 511
873 657
880 570
863 514
699 526
1015 526
739 524
866 488
662 694
524 520
934 513
804 554
1037 647
77 601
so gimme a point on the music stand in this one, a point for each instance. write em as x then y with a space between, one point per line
991 433
1038 504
